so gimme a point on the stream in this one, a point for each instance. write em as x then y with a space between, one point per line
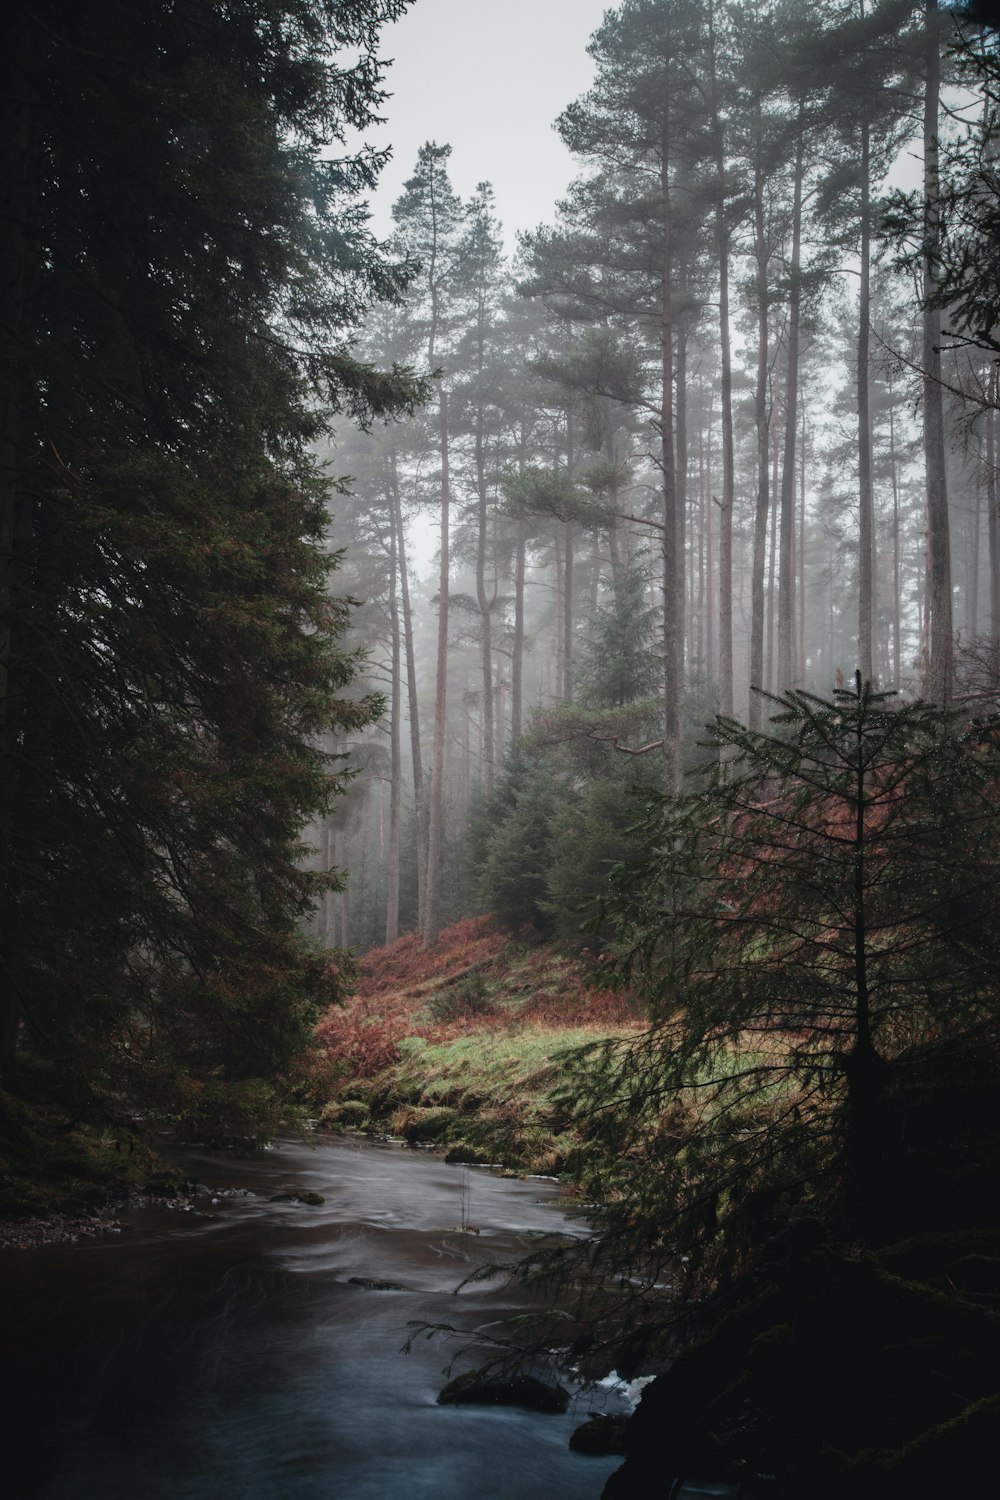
225 1354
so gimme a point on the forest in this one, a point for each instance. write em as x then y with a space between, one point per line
703 438
591 645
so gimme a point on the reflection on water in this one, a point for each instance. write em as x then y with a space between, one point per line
228 1354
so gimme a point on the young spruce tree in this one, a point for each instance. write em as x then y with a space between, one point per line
806 932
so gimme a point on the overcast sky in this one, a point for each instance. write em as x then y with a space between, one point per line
489 78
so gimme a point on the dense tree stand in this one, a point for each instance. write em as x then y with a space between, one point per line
182 273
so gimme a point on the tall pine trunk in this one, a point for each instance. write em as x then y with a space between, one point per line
435 812
762 428
567 614
940 642
726 358
993 522
485 603
801 637
866 494
673 596
517 652
395 750
560 599
896 595
711 659
416 758
786 542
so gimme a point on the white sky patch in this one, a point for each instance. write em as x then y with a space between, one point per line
487 77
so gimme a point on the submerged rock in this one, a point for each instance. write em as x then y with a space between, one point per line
531 1394
600 1437
373 1285
312 1199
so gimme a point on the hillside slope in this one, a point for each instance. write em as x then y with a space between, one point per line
463 1046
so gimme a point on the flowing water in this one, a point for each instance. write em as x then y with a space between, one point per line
225 1353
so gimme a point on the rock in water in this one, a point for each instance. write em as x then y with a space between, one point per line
600 1437
476 1389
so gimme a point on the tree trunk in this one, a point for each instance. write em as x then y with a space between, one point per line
517 658
485 607
993 523
682 462
432 900
412 701
395 753
501 715
711 661
786 544
896 600
614 534
761 423
570 539
697 643
772 551
560 631
940 642
567 616
972 580
725 352
866 495
673 563
801 640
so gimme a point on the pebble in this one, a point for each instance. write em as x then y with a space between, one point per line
66 1229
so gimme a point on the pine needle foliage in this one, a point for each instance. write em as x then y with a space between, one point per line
184 271
816 932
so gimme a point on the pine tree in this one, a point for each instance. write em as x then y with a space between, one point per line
429 220
644 115
185 271
800 929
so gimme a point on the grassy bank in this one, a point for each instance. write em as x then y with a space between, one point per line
463 1047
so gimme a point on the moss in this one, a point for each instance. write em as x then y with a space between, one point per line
489 1097
345 1114
419 1125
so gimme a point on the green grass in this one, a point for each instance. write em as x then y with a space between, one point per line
488 1096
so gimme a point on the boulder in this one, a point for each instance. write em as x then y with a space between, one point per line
526 1391
601 1437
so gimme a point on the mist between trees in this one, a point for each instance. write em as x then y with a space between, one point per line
726 424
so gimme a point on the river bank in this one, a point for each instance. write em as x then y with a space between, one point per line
59 1227
465 1047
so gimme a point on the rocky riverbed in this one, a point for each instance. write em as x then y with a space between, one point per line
66 1224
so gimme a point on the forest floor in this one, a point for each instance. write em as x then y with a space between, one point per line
465 1047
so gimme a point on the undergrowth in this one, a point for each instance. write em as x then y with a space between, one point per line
461 1046
54 1150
